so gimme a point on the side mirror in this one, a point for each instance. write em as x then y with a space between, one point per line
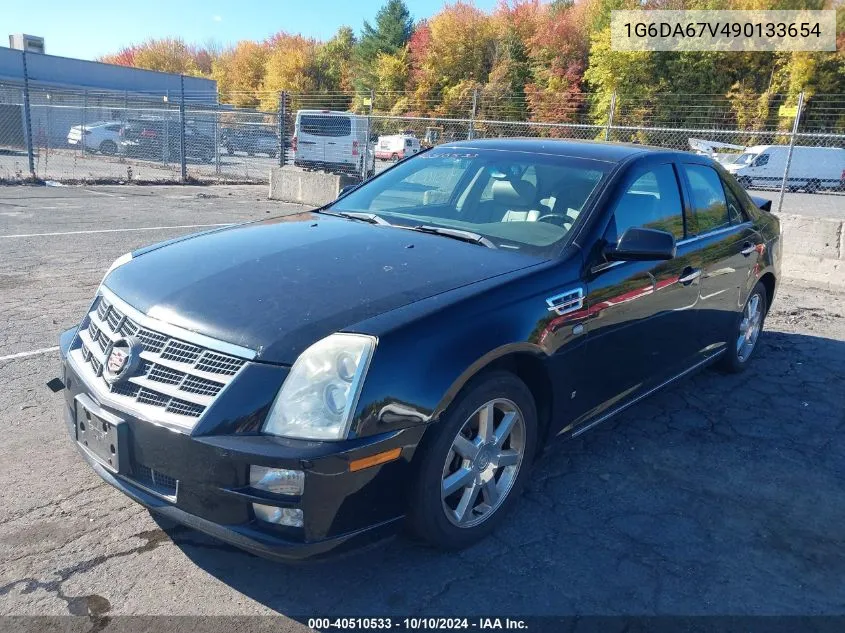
639 244
346 189
762 203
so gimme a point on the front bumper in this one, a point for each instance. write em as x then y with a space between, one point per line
211 493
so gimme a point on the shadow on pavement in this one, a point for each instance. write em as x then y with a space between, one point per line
721 495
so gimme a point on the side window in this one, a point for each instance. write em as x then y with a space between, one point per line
652 201
708 198
735 213
761 160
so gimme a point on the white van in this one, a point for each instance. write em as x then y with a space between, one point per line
811 169
397 146
333 141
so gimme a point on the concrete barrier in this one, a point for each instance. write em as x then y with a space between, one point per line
315 188
814 250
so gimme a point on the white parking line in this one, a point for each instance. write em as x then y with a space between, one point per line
35 352
143 228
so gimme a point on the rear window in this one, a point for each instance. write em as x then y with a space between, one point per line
329 125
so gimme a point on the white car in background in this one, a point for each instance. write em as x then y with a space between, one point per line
102 136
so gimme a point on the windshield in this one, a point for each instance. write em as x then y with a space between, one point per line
517 200
744 159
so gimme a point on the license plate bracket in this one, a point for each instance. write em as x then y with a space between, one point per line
101 434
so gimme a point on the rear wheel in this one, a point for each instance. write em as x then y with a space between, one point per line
394 157
109 148
474 462
746 333
813 186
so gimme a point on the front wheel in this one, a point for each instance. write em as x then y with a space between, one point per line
744 181
746 332
474 462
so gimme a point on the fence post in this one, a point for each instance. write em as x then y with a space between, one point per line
283 112
82 129
165 147
217 133
471 131
183 176
791 147
366 159
30 152
610 114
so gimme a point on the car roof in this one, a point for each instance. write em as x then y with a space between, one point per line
595 150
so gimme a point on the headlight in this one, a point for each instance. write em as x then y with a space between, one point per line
319 395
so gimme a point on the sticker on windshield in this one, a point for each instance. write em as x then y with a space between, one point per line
450 155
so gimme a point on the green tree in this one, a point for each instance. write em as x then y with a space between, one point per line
391 32
335 58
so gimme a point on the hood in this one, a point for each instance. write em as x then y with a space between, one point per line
279 285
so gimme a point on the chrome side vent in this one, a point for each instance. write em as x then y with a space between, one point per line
566 302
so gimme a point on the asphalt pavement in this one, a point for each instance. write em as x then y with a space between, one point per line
722 495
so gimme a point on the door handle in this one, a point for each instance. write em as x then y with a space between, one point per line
691 275
748 248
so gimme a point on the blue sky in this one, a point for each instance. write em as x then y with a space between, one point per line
89 28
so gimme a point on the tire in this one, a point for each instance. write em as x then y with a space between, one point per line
813 186
394 157
437 519
230 151
745 182
108 148
737 355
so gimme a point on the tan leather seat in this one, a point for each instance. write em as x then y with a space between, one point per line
516 199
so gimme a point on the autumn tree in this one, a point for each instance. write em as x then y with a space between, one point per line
169 55
239 72
458 58
335 58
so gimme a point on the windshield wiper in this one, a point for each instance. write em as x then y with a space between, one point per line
372 218
457 234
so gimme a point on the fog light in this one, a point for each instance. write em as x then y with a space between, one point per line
279 481
280 516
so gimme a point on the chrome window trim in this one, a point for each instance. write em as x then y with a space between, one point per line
175 331
701 236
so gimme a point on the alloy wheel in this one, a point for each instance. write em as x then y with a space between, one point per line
749 328
483 462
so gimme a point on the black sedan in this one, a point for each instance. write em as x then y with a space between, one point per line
307 383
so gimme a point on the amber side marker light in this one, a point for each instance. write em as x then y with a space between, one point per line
375 460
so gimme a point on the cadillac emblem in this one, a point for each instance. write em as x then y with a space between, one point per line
122 360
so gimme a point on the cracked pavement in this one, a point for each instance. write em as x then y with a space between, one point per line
719 495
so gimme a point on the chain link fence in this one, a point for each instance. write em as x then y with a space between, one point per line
95 136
